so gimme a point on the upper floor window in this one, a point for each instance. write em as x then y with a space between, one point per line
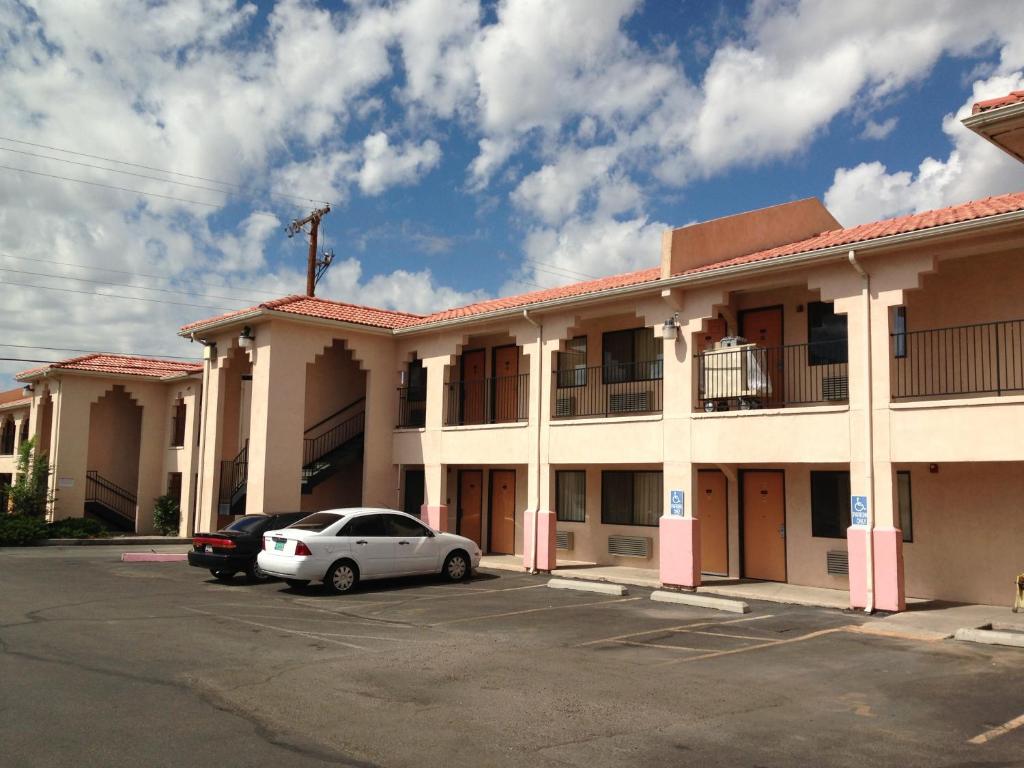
417 382
7 437
572 363
178 424
24 430
633 355
826 334
899 331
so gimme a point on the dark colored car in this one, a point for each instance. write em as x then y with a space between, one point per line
234 548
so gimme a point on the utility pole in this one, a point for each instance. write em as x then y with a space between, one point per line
314 267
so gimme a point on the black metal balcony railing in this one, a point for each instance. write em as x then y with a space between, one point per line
985 358
487 401
749 377
621 389
412 407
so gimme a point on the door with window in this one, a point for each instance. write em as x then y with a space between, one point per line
764 525
371 545
712 511
470 510
763 327
415 546
502 520
506 383
473 386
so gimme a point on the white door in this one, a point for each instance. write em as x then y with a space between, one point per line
371 547
415 548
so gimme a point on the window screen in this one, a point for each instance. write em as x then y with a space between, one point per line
830 504
571 496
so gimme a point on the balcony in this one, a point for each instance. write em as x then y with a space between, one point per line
621 389
980 359
496 400
412 407
748 377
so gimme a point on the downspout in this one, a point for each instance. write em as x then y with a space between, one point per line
540 392
869 437
204 402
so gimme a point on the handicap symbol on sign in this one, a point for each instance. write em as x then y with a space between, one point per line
859 510
677 497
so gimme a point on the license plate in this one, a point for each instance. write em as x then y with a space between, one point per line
278 545
208 548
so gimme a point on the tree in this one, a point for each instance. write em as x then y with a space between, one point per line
29 495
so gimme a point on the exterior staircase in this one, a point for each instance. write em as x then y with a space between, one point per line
109 502
333 443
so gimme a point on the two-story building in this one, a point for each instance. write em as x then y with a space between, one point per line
118 431
14 417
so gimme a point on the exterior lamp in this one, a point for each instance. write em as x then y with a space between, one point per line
245 338
671 327
27 390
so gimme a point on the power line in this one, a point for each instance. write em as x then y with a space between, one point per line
116 296
25 360
563 269
238 187
110 186
127 285
99 352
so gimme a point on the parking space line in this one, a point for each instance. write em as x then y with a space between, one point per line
404 601
301 633
678 628
999 730
531 610
659 645
759 646
726 634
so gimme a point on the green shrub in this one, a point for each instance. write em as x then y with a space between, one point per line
28 495
20 531
166 515
76 528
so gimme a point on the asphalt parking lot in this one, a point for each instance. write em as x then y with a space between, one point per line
124 664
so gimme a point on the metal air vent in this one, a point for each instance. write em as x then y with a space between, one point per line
630 546
564 540
837 563
565 406
627 402
835 388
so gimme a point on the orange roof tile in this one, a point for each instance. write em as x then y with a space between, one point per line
122 365
10 396
1011 98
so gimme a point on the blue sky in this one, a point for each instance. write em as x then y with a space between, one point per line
470 149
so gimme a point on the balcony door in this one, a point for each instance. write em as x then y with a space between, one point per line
473 386
763 327
506 383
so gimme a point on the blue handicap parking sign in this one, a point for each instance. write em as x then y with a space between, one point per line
676 500
858 510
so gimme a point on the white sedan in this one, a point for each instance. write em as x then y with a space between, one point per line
340 547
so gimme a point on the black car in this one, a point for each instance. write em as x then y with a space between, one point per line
234 548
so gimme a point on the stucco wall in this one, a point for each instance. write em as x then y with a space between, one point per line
115 432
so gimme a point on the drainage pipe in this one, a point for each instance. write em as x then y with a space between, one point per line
869 437
540 391
204 408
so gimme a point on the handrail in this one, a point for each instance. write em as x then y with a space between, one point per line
494 400
412 407
315 448
605 391
97 478
112 496
335 414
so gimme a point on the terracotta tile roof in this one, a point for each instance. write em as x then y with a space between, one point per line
21 402
976 209
323 308
10 395
121 365
1002 101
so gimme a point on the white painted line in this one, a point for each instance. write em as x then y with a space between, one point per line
589 586
532 610
310 635
679 628
153 557
999 730
990 637
700 601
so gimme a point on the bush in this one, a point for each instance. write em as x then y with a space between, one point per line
166 515
28 496
20 531
76 528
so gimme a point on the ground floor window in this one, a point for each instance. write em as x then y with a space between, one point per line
631 498
174 486
903 497
5 483
571 496
830 504
415 481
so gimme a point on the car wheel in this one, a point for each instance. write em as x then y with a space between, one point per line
342 577
222 575
296 583
456 566
255 573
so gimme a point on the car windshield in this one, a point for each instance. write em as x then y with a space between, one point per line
247 523
317 521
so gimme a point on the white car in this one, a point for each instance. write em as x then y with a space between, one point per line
340 547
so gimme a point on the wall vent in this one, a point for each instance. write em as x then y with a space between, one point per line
629 402
630 546
837 562
565 406
564 540
835 388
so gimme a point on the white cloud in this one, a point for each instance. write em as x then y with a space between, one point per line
385 165
878 131
403 290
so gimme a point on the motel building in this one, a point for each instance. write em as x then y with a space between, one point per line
118 432
15 410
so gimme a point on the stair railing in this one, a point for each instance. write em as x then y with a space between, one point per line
119 500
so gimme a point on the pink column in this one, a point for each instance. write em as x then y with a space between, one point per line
888 568
679 551
546 552
435 517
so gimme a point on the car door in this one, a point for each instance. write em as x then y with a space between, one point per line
371 546
415 546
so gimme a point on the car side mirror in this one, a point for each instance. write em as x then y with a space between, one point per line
430 533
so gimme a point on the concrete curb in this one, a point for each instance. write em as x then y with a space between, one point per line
900 633
700 601
990 637
154 557
116 541
589 586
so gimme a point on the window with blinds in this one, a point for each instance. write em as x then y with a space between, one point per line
633 355
572 363
631 498
571 496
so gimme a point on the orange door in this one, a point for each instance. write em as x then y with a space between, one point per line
473 384
764 525
471 504
712 511
502 522
764 328
506 383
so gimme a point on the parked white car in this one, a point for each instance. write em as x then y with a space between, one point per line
342 547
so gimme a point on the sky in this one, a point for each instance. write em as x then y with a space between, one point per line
468 148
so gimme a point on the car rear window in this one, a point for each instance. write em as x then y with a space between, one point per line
317 521
246 524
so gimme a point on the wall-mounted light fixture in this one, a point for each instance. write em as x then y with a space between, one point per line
671 327
245 338
27 390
